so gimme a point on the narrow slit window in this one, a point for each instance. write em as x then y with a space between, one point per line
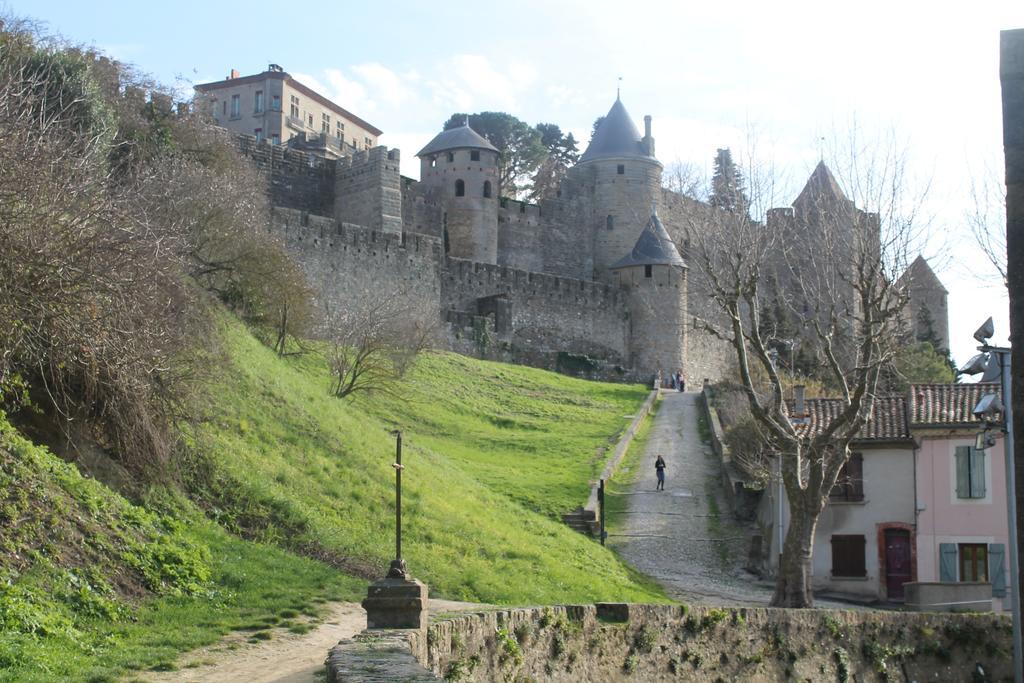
487 189
621 170
460 188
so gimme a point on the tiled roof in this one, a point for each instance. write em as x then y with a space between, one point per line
456 138
946 404
616 136
653 247
888 420
893 417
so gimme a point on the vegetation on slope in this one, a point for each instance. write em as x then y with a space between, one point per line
278 459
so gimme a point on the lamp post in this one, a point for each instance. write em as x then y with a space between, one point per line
994 363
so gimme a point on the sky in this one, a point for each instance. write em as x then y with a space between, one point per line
782 84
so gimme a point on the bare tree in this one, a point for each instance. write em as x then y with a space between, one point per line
987 219
837 266
685 178
374 339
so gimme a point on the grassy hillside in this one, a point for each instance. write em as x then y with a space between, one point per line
282 486
492 454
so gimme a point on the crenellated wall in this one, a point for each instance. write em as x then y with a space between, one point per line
548 313
345 262
368 190
297 180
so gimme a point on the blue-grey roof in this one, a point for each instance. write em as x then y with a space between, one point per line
617 136
653 247
462 137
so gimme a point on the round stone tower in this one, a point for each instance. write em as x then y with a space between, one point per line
654 277
461 168
620 169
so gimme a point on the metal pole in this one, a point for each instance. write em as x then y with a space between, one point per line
1011 509
398 496
600 507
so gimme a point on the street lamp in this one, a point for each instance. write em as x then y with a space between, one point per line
996 410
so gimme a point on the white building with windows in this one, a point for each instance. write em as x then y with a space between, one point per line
274 106
915 503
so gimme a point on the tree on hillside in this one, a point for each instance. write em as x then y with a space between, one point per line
842 292
727 185
374 339
562 153
520 145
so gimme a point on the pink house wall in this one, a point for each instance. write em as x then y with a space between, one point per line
946 518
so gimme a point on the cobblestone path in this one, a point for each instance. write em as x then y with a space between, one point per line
675 535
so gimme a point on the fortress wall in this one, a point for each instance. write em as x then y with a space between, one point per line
344 262
297 181
706 356
368 190
519 231
421 212
549 313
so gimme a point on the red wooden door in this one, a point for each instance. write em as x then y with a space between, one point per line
897 562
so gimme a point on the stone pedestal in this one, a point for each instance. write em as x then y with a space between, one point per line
396 602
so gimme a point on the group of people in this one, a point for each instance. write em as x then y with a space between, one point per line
675 381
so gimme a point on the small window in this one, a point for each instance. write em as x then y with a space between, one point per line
850 483
451 157
973 562
368 142
647 270
258 102
225 107
325 124
433 162
236 106
970 472
609 222
848 556
294 109
275 103
259 134
474 155
275 139
487 189
621 169
460 188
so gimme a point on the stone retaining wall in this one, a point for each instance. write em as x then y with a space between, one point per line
615 642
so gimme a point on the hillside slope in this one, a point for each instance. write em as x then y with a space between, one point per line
282 485
492 453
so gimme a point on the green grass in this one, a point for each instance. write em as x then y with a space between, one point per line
621 483
277 472
492 453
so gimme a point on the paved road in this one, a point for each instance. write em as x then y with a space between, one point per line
671 535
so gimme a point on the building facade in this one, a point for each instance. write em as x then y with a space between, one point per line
275 107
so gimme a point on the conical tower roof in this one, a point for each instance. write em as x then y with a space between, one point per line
821 188
653 247
920 274
617 136
462 137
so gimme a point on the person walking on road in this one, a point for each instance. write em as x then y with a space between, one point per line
659 466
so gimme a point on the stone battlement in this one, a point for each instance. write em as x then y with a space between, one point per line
326 232
461 272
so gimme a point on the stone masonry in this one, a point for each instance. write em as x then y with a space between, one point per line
528 283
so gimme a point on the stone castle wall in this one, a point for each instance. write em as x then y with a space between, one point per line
345 262
368 190
297 180
548 314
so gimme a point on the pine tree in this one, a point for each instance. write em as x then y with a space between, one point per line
727 190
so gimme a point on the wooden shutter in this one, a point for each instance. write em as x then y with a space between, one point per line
855 474
963 472
996 569
977 473
848 556
947 561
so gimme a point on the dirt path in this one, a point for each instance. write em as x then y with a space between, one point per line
285 658
683 536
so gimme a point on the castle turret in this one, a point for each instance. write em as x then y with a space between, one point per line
620 169
461 167
654 275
